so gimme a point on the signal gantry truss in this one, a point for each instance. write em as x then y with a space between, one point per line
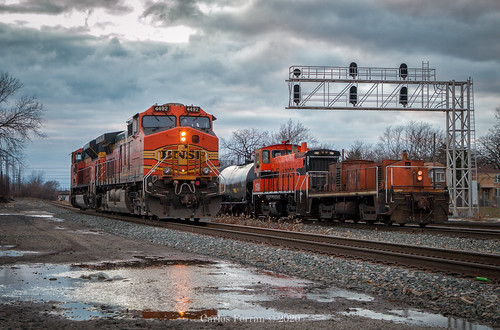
399 89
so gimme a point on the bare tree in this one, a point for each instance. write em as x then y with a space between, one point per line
19 119
391 143
240 147
35 186
361 150
419 139
293 132
489 145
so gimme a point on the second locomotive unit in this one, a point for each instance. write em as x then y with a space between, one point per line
165 164
289 180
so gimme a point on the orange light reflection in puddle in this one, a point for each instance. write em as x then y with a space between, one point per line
183 315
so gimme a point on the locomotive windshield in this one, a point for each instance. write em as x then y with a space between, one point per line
195 122
154 124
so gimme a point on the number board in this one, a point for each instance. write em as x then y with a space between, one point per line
191 108
161 108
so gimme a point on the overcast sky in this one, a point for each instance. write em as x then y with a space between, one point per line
93 64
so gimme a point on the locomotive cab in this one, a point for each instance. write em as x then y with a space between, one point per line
283 182
407 194
183 172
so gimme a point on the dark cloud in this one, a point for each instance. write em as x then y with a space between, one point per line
435 27
236 63
55 7
172 12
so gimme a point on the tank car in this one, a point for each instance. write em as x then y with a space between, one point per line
164 164
236 186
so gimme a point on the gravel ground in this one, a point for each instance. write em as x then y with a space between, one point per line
464 298
437 293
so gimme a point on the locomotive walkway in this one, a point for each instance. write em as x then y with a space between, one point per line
456 262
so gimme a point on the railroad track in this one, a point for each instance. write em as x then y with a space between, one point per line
488 231
462 263
461 231
455 262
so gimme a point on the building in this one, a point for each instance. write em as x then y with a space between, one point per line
437 173
488 180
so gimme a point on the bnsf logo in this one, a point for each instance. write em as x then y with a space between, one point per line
169 154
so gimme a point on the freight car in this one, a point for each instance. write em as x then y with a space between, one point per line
165 164
290 180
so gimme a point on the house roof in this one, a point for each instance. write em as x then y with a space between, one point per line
436 164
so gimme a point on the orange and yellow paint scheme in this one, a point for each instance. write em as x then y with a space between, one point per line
164 164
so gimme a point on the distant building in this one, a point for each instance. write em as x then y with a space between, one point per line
437 173
488 180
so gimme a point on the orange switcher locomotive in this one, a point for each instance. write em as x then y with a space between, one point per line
291 180
165 164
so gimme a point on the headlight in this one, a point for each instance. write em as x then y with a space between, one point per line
167 170
206 171
420 176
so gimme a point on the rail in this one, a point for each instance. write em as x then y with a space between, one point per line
465 263
450 261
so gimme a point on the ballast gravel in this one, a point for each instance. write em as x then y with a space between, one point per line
461 297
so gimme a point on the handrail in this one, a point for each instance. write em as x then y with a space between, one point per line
144 188
210 164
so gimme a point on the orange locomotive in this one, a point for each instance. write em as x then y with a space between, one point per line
291 180
164 164
392 191
284 175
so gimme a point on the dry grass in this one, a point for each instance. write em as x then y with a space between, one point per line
489 212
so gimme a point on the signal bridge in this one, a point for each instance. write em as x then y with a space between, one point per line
400 89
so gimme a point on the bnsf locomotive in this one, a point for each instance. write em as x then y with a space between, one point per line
290 180
164 164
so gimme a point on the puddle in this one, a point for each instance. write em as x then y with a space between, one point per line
14 253
81 312
6 252
184 290
152 287
418 318
87 232
331 295
41 214
38 214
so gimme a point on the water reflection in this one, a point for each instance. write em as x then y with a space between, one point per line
185 315
419 318
15 253
191 290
